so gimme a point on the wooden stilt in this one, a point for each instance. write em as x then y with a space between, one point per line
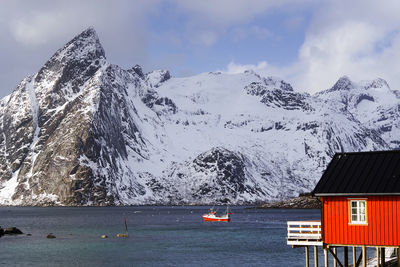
326 257
378 256
398 257
334 259
307 257
346 256
354 257
383 263
359 259
315 256
364 256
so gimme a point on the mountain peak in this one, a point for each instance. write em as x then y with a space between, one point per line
344 83
76 56
85 44
377 83
89 31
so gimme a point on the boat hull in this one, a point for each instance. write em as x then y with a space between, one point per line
207 218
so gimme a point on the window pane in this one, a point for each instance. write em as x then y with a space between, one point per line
362 210
358 211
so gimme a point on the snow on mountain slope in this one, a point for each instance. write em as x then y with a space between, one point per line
372 103
285 139
83 131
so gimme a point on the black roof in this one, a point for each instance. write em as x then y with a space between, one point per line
361 173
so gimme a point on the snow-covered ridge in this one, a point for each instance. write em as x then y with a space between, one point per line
83 131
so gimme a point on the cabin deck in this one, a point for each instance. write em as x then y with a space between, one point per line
304 233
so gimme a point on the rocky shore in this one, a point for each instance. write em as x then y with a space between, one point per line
301 202
10 231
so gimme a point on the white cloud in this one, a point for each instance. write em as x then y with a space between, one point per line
360 39
347 49
343 40
40 28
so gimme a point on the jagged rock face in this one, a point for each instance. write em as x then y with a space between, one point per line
55 124
138 70
55 146
284 98
156 78
219 174
85 132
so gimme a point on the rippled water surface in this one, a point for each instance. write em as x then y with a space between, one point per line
158 236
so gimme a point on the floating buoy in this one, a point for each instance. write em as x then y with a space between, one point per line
122 235
104 236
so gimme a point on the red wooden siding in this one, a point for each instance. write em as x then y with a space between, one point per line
383 217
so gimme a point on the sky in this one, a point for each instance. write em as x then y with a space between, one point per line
308 43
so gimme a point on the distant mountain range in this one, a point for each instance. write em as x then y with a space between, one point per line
83 131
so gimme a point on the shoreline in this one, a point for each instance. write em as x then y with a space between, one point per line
301 202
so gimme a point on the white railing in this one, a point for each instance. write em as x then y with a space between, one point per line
304 233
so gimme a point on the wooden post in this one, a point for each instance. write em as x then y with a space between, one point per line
378 258
346 256
307 257
326 257
355 257
383 263
398 257
334 259
364 256
315 256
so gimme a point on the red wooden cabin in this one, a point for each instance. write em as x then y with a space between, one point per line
360 195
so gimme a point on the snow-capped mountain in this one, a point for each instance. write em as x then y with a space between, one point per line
83 131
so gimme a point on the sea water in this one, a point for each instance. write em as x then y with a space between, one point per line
158 236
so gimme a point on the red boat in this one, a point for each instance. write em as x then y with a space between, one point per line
213 217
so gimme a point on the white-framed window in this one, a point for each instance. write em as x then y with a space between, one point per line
358 211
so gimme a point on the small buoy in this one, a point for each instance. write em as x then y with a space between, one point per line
51 235
122 235
104 236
